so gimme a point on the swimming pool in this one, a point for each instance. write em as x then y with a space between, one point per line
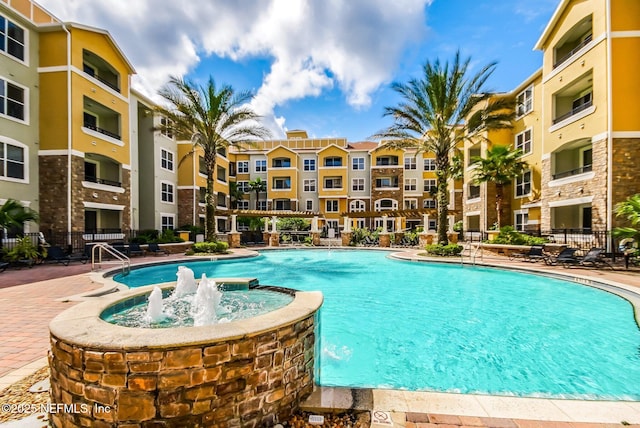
427 326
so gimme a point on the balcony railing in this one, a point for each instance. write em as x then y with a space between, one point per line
102 181
102 131
106 82
581 170
573 51
573 111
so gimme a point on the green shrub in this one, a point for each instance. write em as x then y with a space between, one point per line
509 236
443 250
210 247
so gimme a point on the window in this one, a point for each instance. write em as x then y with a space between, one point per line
524 102
282 204
309 204
332 206
523 184
168 222
410 204
221 174
521 220
243 186
430 186
357 164
523 141
309 164
333 183
166 159
474 192
221 199
202 166
429 203
222 151
12 38
409 162
281 163
333 161
167 192
391 182
357 184
12 100
262 205
166 128
243 167
261 165
282 183
12 161
357 206
242 204
386 204
429 164
309 185
203 195
410 184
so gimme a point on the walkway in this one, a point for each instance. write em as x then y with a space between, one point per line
25 311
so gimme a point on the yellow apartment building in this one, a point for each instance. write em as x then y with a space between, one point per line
85 152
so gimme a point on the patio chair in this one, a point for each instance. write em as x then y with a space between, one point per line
135 250
566 256
536 253
595 258
155 249
57 255
3 266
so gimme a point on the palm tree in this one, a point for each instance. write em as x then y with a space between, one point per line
235 194
258 186
14 214
439 111
500 166
213 119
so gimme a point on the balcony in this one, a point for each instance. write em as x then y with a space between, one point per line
102 173
387 183
101 120
281 163
387 161
474 192
574 159
573 41
578 105
104 181
99 69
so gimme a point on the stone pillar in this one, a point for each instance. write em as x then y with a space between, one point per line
451 219
314 224
234 229
346 238
266 224
274 221
425 222
234 239
385 239
315 238
384 224
266 235
274 239
453 237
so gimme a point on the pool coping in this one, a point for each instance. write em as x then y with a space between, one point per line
478 405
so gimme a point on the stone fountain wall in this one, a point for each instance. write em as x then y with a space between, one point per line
251 381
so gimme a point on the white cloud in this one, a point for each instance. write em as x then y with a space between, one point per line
353 45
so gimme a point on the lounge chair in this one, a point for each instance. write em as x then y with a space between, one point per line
135 250
535 254
155 249
595 258
371 242
3 266
57 255
566 256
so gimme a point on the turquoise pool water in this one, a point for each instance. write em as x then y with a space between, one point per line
425 326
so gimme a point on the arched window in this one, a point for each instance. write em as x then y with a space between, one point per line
386 205
357 206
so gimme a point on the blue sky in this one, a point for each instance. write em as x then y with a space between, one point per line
320 65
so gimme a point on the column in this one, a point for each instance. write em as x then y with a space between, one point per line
315 233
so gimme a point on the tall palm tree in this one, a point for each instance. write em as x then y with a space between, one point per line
438 111
258 186
500 166
212 118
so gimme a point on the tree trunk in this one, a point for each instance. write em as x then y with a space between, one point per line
257 198
210 214
442 165
498 205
